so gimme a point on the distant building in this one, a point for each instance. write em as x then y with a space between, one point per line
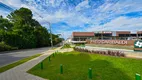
81 37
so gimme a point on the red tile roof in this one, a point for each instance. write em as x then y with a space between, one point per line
139 32
83 34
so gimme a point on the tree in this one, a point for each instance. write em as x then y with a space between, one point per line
56 39
23 28
42 36
5 25
22 15
30 30
22 31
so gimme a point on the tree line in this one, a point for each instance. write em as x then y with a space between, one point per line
20 30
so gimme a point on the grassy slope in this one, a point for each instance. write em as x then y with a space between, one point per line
4 68
76 67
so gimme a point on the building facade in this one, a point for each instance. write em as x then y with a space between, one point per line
81 37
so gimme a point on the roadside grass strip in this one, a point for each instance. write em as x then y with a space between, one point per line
9 66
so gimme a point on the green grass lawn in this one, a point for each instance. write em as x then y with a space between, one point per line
7 67
76 64
53 48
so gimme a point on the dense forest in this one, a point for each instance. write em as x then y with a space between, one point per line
19 31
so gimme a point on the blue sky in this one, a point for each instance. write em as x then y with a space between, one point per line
67 16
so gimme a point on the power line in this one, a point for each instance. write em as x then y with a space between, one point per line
7 7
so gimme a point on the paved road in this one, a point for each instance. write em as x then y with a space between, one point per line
20 72
10 57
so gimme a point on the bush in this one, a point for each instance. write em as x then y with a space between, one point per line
104 52
66 46
80 44
5 47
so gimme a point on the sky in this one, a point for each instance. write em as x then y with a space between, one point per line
67 16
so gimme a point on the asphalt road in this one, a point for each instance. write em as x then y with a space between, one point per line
12 56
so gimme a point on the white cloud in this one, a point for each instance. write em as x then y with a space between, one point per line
64 34
12 3
82 5
71 19
126 6
104 12
122 6
78 20
54 18
120 23
4 14
111 10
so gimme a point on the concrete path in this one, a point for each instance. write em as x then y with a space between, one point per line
19 72
12 56
66 50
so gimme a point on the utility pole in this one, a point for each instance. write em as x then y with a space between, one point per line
50 34
63 37
137 35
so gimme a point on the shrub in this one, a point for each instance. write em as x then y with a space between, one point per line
80 44
5 47
104 52
66 46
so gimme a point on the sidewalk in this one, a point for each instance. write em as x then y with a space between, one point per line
19 72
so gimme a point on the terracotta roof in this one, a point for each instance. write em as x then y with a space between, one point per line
83 33
139 32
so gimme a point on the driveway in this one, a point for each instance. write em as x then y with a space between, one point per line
12 56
